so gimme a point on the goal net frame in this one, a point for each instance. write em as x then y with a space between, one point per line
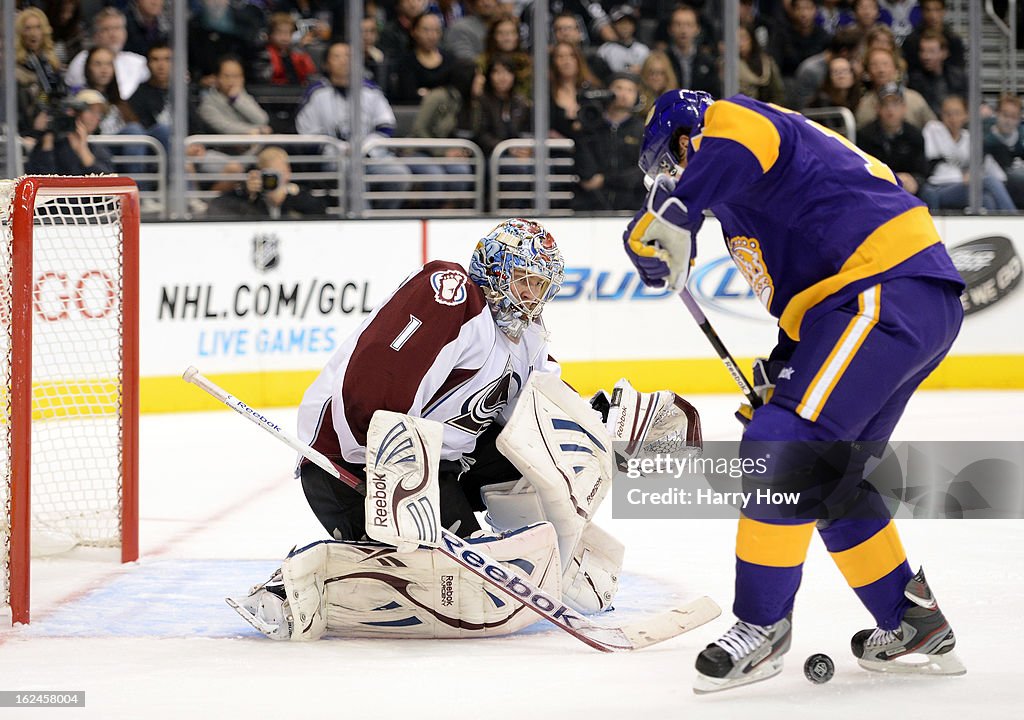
30 193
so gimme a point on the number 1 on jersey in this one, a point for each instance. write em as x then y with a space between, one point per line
403 337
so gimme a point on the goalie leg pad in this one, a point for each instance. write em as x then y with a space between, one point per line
403 505
591 577
372 590
559 444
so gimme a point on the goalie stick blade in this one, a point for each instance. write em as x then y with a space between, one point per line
671 623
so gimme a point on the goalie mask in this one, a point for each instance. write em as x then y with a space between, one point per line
678 112
519 268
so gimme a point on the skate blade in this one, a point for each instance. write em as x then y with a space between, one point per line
704 685
917 664
271 631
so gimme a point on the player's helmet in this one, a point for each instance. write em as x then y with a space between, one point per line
514 253
677 112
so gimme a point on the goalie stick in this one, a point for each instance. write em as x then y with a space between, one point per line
632 636
723 352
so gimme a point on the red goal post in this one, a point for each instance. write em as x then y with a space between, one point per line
69 277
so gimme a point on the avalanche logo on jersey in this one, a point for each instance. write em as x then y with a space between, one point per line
480 409
746 253
449 287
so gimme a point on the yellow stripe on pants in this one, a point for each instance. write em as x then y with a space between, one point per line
772 545
872 559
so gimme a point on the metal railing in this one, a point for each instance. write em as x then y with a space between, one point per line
317 161
839 119
149 171
445 193
513 179
1007 51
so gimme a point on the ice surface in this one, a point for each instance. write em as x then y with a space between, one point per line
219 508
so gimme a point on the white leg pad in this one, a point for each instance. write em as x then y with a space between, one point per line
591 578
402 493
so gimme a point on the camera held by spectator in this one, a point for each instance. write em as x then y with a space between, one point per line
64 148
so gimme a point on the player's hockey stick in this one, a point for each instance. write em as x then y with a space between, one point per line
723 352
633 636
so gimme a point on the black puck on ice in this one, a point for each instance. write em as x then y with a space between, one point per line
819 668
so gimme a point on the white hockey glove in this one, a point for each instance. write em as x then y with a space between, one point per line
647 424
657 241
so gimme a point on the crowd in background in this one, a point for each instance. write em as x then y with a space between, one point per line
104 66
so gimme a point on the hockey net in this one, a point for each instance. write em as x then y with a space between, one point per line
68 364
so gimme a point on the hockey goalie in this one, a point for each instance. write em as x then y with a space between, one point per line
443 404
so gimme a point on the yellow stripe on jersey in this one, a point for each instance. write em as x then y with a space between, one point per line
869 305
772 545
890 244
872 559
750 129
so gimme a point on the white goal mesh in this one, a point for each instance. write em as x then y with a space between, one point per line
78 405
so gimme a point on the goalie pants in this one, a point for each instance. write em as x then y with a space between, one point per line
849 378
341 510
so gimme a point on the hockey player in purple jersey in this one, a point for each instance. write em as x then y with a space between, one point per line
867 302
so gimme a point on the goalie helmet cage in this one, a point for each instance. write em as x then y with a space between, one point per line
69 360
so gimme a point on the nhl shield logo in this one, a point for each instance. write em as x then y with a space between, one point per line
265 255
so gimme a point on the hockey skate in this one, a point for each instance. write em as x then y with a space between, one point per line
745 654
266 608
922 644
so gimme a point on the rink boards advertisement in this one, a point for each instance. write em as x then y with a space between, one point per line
262 306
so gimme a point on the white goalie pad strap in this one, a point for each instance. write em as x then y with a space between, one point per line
304 572
372 590
512 505
591 578
402 493
557 441
647 424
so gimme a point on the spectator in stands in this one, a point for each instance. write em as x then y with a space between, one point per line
882 70
566 28
465 38
100 75
829 15
374 60
814 71
903 16
894 141
268 192
1004 142
450 111
933 17
64 150
220 28
65 18
227 109
151 103
799 38
840 88
285 64
503 39
569 77
395 37
590 17
656 78
504 113
37 72
865 15
760 77
147 23
624 54
947 146
109 32
608 149
936 79
694 69
424 66
448 10
324 111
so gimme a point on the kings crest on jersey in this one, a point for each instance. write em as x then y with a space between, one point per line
441 347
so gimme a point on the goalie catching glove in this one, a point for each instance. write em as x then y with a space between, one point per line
657 240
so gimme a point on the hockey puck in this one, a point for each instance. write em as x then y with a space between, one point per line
991 269
819 668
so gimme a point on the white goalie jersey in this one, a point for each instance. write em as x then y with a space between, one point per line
431 350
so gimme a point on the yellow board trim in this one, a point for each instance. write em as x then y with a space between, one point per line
689 376
772 545
890 244
750 129
872 559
